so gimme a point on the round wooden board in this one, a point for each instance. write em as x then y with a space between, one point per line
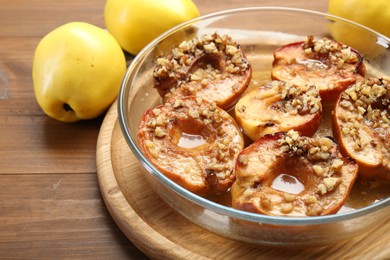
160 232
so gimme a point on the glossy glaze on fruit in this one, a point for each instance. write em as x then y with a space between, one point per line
320 178
193 142
289 174
361 124
212 67
328 64
279 107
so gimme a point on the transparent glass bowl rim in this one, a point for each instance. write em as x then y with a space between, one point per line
200 201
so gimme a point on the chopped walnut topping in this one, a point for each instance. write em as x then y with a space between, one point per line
209 73
178 103
311 199
337 164
231 49
339 54
315 148
367 102
160 132
266 203
193 112
314 210
318 170
188 51
297 100
161 120
321 189
328 185
289 197
243 159
287 208
156 111
210 48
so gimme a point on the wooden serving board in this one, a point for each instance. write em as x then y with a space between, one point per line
160 232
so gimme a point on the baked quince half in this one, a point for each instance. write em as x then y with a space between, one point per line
279 107
325 63
211 66
193 142
286 174
361 125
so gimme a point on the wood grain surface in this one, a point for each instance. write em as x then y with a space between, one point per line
148 221
50 203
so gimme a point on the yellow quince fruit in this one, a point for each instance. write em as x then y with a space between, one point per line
77 71
372 14
135 23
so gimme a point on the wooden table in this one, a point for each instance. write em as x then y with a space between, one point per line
50 203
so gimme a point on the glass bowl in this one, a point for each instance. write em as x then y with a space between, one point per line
259 31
